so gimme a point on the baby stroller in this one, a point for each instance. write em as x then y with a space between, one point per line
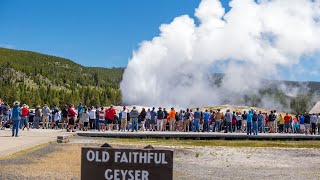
6 122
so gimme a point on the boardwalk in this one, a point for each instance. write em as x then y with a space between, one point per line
195 135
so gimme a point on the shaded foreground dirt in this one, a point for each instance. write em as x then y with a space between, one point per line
62 161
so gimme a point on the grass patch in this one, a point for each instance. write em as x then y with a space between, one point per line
228 143
24 151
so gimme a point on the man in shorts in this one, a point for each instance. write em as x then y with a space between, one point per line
45 116
72 114
123 119
110 113
64 113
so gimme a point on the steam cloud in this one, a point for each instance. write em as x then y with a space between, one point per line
255 40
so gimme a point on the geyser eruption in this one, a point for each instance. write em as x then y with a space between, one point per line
253 41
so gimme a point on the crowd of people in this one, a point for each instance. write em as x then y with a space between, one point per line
189 120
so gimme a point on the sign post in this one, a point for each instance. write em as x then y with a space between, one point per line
126 164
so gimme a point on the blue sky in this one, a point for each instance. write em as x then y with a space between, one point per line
100 33
92 33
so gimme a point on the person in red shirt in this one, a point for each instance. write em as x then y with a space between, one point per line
287 122
72 115
110 113
24 117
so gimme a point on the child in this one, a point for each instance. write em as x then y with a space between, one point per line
31 118
85 119
102 119
57 118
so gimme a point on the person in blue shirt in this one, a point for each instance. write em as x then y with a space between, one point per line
153 115
249 123
80 107
196 121
302 126
16 116
206 117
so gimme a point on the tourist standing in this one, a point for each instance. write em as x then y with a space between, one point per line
296 124
301 122
97 123
134 115
16 117
228 121
45 116
313 120
244 121
260 115
172 122
37 117
287 119
206 117
255 123
180 120
92 118
153 117
123 119
80 107
56 118
143 115
249 123
281 123
24 117
186 120
239 121
148 118
218 117
85 118
307 123
196 121
160 120
72 114
165 119
271 120
64 114
102 119
110 113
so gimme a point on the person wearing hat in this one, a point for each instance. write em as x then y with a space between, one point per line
24 117
16 117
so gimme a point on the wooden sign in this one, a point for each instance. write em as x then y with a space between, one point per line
126 164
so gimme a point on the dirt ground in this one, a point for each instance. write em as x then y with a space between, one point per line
62 161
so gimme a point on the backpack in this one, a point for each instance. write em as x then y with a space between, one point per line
187 115
254 117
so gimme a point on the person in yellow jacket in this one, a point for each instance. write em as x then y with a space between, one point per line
281 123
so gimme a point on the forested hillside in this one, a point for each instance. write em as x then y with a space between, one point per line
38 79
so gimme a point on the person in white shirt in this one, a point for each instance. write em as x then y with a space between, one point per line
275 125
85 118
124 114
92 118
57 117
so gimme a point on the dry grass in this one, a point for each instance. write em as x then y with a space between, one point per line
49 161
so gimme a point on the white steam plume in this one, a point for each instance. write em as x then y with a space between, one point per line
249 44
